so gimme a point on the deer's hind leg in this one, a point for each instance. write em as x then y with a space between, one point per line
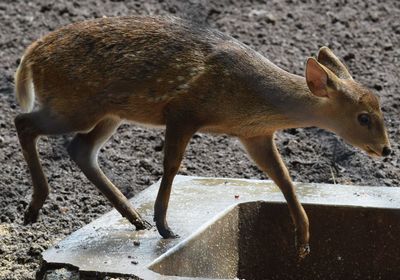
84 149
30 127
177 137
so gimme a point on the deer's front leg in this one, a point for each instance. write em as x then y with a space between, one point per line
263 151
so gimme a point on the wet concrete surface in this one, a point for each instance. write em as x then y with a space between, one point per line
110 245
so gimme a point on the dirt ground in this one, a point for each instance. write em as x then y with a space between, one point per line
365 33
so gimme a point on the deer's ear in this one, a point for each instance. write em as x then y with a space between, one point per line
317 78
320 80
327 58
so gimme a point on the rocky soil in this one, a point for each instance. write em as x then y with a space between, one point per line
366 34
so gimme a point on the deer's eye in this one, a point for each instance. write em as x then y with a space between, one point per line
364 119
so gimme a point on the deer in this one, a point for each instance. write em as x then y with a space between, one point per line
89 77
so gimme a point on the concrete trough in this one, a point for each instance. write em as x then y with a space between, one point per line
234 228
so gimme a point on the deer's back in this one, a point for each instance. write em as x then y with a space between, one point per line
118 58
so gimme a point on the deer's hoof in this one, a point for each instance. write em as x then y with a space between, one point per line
166 232
173 235
303 251
143 225
30 216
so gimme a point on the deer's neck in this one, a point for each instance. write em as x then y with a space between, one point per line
289 96
302 108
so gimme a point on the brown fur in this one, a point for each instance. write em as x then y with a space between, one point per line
89 76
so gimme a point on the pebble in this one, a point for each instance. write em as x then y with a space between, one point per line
262 14
379 174
349 56
35 250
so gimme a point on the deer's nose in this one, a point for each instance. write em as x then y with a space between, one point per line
386 151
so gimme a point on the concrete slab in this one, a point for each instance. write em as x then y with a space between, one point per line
110 245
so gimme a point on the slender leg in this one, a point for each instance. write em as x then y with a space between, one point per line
29 127
263 151
83 149
177 136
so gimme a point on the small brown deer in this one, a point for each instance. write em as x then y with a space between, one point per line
90 76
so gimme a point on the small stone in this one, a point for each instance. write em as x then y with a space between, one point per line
146 164
380 174
299 25
270 18
134 262
388 47
35 250
373 16
378 87
159 147
349 56
262 14
387 182
136 242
